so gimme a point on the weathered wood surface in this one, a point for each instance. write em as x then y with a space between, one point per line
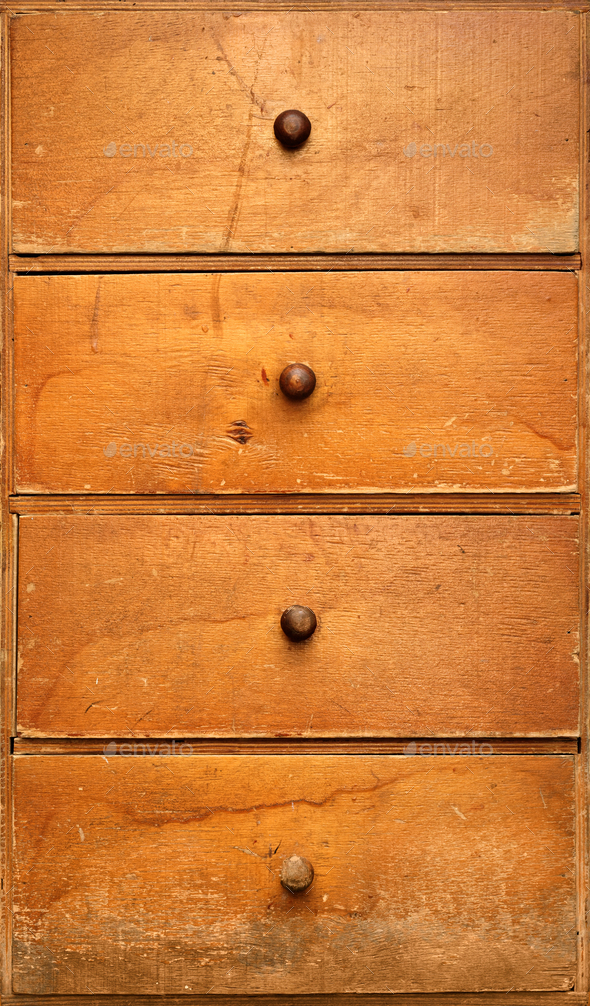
169 383
344 999
238 6
8 524
163 140
161 875
361 503
169 626
186 747
286 263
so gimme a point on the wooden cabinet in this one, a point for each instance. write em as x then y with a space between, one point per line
294 504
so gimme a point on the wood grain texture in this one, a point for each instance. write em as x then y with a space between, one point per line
160 875
26 7
188 746
355 999
373 85
583 762
237 6
425 382
8 524
153 626
361 503
27 264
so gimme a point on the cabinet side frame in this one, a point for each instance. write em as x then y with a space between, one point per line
9 526
583 761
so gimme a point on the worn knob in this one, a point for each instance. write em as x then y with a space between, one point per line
292 128
297 381
296 873
298 622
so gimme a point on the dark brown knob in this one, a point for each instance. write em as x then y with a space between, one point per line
297 381
292 128
298 622
296 873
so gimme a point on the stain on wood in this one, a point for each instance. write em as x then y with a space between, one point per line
170 626
161 875
426 382
432 131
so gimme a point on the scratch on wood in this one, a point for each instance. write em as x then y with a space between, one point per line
94 322
236 201
259 103
249 91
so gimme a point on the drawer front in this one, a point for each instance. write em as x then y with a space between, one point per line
432 131
170 626
425 381
161 875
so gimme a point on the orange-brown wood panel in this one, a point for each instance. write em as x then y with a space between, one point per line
169 626
161 875
439 381
431 131
319 999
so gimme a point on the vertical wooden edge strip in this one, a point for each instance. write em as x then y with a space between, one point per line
8 694
7 279
9 525
582 763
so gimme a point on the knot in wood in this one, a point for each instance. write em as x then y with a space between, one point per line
240 431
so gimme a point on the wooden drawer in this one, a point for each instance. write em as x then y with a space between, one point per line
434 381
170 626
432 131
161 875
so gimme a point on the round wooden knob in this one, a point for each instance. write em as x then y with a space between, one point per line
298 622
296 873
297 381
292 128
